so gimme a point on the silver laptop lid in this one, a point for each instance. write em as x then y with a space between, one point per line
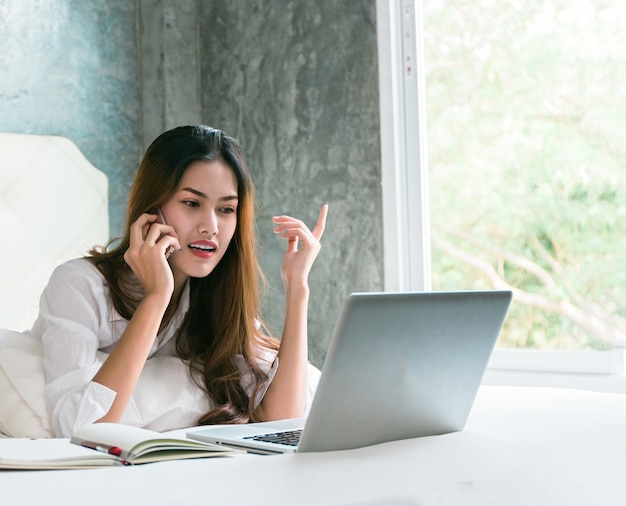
403 365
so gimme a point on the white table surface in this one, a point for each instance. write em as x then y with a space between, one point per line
521 446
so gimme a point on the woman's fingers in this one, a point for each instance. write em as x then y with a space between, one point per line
298 261
147 231
139 229
150 245
295 229
162 236
320 226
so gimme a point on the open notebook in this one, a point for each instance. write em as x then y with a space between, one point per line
101 445
400 365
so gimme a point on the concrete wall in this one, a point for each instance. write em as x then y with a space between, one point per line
70 68
295 81
169 65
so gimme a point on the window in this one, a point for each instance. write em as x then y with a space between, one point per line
525 137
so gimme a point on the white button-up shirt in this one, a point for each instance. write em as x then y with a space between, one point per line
78 327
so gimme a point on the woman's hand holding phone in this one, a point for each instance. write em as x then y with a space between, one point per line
161 220
150 244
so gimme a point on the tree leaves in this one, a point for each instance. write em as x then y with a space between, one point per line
526 109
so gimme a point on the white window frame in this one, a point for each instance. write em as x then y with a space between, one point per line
406 217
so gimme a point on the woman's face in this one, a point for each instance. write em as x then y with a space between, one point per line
203 212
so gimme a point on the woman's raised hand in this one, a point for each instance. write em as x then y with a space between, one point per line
147 254
303 246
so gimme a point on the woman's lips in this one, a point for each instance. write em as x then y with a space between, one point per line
203 249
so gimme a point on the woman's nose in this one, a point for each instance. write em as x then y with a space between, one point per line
209 225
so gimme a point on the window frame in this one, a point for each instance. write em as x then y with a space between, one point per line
406 217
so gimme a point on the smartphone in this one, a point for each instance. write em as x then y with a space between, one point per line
161 219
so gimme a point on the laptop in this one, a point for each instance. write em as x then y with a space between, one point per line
399 366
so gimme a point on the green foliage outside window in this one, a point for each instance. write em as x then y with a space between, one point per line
526 117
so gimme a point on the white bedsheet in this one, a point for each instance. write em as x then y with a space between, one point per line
522 446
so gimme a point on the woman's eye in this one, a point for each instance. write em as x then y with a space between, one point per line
227 210
190 203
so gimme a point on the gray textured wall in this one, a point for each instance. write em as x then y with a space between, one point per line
70 68
295 81
169 64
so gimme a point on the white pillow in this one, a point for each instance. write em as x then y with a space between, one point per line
22 407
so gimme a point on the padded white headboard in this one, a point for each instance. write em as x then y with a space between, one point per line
53 207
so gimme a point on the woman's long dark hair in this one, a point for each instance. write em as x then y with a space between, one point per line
216 329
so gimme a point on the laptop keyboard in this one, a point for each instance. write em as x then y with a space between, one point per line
288 438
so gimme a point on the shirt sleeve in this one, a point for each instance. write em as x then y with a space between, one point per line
268 362
72 310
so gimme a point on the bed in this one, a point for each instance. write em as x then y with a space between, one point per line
53 207
521 445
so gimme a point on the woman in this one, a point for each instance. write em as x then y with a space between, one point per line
180 289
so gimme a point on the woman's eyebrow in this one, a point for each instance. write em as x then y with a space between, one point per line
203 195
198 193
